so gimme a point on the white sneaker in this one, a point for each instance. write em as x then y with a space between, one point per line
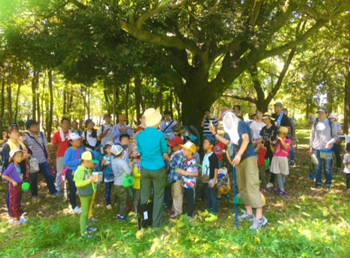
269 185
257 224
77 210
109 207
23 220
14 222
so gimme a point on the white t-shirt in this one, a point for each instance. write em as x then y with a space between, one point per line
109 135
256 128
346 160
91 140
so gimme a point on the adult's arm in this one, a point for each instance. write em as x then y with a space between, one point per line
6 155
163 145
334 136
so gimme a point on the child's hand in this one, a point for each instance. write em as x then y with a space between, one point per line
94 178
103 162
14 183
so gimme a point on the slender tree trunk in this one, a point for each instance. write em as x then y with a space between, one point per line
171 93
88 102
35 82
114 104
2 108
50 117
347 96
138 97
17 101
127 91
9 104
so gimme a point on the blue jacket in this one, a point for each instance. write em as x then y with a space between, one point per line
72 158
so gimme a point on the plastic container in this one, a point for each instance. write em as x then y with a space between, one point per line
25 187
128 181
99 174
326 154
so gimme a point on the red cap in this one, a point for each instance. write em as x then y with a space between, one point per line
176 141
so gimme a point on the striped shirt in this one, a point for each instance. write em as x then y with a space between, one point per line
206 130
37 146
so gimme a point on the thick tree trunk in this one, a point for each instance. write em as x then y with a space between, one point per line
2 108
51 100
347 96
9 104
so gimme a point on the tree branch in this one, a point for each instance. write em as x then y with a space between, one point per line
78 4
250 99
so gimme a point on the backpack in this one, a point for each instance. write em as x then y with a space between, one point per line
42 147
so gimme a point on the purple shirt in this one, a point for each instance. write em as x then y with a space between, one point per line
13 172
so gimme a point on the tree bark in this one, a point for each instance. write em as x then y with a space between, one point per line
51 97
17 101
137 82
127 90
347 96
35 81
9 104
2 108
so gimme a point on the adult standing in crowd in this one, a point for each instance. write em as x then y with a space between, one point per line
237 111
188 132
256 125
105 133
152 146
75 128
167 125
121 128
280 117
291 135
207 119
39 148
245 162
89 136
337 146
323 136
269 134
60 141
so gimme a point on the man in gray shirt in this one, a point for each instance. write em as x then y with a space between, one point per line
38 146
323 136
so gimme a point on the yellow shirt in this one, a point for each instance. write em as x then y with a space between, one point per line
137 175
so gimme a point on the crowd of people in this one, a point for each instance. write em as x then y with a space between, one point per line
161 158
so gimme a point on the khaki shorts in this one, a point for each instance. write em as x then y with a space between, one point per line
248 183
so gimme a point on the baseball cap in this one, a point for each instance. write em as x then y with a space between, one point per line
211 139
176 141
74 136
30 123
278 104
323 109
117 149
87 156
13 153
190 146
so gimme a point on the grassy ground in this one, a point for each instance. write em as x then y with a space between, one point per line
306 223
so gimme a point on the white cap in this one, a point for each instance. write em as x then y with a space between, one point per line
333 115
74 136
13 152
117 149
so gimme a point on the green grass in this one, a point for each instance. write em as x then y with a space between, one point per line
306 223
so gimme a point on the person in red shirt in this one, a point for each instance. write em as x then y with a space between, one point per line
219 151
261 150
61 141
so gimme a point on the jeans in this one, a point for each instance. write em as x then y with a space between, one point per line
212 201
72 189
281 180
45 169
190 196
327 164
336 149
292 154
109 186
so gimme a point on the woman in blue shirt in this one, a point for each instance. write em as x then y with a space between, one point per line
152 146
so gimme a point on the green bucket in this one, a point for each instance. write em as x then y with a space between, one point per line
25 186
128 181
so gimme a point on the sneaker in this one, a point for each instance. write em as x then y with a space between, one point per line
269 185
77 210
23 220
109 207
14 222
93 220
245 216
258 223
212 218
122 218
174 215
205 213
283 193
91 229
118 216
276 191
57 195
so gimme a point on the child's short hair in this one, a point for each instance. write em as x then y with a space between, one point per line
122 136
348 147
211 140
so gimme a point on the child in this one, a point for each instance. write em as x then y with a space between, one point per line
120 170
124 141
279 164
137 175
176 162
223 184
72 161
210 167
219 151
13 175
85 183
261 150
108 172
189 176
346 162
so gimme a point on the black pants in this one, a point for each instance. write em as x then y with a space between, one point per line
336 148
72 189
189 192
347 181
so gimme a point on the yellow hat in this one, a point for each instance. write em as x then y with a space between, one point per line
283 130
190 146
87 156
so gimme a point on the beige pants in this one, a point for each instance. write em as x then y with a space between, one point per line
177 193
248 183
